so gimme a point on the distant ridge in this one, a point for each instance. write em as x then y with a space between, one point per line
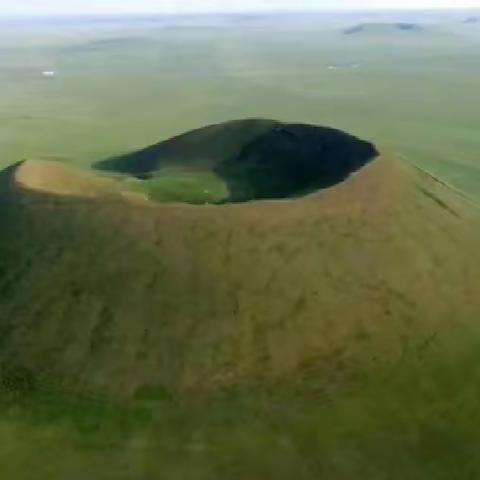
385 28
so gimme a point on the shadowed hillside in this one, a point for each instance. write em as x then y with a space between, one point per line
257 159
326 335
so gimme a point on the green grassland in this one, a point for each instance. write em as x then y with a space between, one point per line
334 337
180 185
120 87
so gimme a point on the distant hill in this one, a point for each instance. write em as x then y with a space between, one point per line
385 28
108 44
472 20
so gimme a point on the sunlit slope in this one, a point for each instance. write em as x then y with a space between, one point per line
110 296
172 185
50 177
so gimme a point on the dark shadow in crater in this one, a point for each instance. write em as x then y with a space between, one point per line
272 160
293 159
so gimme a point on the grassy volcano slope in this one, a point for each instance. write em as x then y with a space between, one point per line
331 337
256 158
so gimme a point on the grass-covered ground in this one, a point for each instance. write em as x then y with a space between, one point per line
120 86
170 185
180 185
333 339
398 426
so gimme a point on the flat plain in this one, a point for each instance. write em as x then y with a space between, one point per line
120 85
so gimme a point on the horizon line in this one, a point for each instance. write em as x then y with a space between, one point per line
236 12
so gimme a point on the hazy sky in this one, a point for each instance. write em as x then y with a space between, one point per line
147 6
